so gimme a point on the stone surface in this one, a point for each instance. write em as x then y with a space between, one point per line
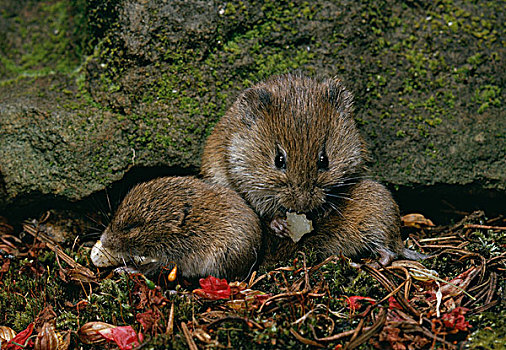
91 89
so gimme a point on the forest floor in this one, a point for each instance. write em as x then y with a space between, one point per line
51 296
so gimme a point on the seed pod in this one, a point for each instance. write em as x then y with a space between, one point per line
89 332
6 334
172 274
47 338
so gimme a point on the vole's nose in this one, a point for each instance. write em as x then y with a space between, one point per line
303 199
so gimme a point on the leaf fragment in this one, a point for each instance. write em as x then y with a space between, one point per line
125 337
213 288
416 220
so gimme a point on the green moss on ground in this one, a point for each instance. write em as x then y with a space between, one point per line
30 284
421 74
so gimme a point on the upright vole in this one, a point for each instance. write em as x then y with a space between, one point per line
290 147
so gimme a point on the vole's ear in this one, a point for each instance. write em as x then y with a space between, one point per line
253 104
338 95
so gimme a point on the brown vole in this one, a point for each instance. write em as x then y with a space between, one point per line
290 144
205 229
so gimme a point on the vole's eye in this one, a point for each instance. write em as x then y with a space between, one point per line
280 161
323 161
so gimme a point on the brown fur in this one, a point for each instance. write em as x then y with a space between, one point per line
204 229
303 119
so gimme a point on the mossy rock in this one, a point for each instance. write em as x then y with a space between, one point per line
142 83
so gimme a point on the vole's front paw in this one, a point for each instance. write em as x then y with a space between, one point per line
280 227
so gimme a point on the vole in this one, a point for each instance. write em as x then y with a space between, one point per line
289 145
205 229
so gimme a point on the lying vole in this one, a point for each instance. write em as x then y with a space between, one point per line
204 229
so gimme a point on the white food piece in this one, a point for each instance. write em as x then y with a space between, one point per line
299 225
103 257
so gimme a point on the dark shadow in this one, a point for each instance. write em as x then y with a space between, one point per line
102 203
446 203
441 203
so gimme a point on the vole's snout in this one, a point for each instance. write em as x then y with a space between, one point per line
301 199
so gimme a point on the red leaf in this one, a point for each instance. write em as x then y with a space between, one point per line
149 320
393 304
20 338
213 288
455 319
354 304
125 337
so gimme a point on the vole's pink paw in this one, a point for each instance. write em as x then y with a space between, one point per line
279 226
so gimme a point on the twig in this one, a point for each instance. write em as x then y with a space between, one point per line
305 340
393 292
494 219
355 334
480 309
460 246
279 296
248 321
339 335
188 336
500 257
485 227
391 287
437 239
170 322
406 283
382 317
306 273
491 289
41 236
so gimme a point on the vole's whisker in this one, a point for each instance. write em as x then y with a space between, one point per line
99 223
339 196
108 200
89 236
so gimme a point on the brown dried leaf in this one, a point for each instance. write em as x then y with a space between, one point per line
81 274
149 321
5 266
47 338
6 333
47 315
89 332
415 220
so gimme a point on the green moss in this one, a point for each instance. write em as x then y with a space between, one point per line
487 96
27 288
47 41
489 334
195 89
